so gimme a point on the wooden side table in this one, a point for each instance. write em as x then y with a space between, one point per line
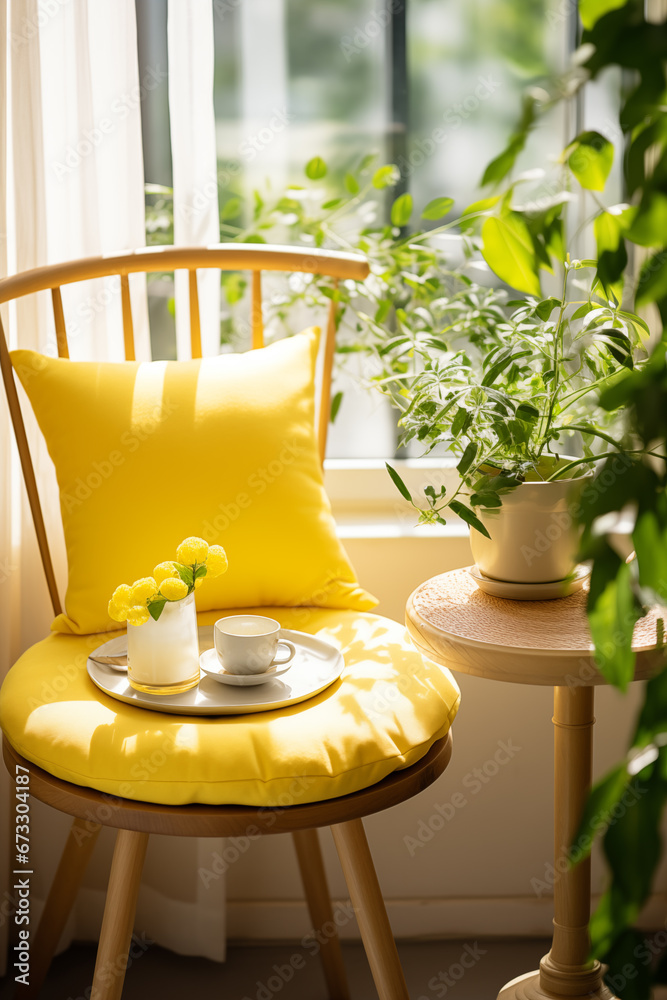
536 642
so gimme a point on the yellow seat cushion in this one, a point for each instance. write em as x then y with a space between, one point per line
384 713
224 448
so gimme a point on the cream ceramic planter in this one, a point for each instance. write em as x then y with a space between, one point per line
534 534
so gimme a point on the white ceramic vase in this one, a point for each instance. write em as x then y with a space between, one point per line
534 534
163 655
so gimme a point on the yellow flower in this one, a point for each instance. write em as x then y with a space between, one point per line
164 571
198 582
142 590
216 561
121 596
119 614
138 615
192 550
173 589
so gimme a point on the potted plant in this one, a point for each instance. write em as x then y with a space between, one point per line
511 402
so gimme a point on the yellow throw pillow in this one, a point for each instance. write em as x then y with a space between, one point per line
147 454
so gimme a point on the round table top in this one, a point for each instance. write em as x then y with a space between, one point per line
455 623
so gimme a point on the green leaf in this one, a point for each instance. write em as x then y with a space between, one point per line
335 405
383 311
498 168
607 230
651 721
528 413
630 952
601 800
612 255
200 572
367 162
333 203
469 516
545 308
618 344
591 159
649 225
509 252
649 538
467 458
590 11
461 421
401 210
316 168
612 614
470 217
485 500
386 176
398 482
155 608
258 205
609 920
351 184
185 573
234 285
437 209
230 209
652 284
632 846
496 369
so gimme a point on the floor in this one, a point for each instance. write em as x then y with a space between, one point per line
458 970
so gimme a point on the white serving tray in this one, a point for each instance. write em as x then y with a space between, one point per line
315 667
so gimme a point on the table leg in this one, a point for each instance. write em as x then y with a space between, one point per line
566 970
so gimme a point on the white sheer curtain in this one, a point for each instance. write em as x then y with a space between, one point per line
71 184
194 161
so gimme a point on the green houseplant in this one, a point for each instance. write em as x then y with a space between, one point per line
632 267
509 402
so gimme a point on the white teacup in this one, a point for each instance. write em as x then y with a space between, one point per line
247 644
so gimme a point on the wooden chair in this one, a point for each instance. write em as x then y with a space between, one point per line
135 821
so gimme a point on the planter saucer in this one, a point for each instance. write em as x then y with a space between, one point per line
531 591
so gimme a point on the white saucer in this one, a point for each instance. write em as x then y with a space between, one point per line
531 591
210 665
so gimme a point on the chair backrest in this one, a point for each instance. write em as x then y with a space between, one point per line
225 257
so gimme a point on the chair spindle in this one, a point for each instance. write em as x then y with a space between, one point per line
327 371
257 325
128 325
59 317
195 325
28 470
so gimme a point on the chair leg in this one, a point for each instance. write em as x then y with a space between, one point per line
357 863
118 920
73 863
314 880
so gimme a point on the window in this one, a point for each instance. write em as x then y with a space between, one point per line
432 85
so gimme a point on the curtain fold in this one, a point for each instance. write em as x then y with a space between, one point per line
71 185
194 161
